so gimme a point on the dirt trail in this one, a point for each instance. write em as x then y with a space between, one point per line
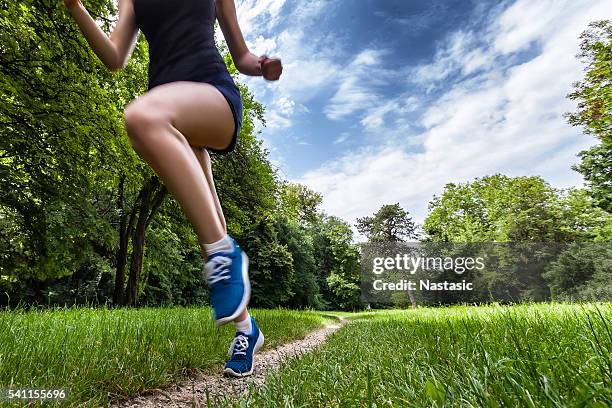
203 387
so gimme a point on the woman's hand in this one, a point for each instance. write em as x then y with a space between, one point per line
271 68
71 3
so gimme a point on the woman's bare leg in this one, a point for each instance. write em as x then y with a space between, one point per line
204 158
163 125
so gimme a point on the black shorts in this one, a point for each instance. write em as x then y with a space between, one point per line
226 85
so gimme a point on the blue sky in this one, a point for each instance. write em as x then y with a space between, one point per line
385 101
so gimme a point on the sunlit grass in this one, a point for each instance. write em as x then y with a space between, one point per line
99 354
546 355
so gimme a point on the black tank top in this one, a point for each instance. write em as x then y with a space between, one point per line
180 34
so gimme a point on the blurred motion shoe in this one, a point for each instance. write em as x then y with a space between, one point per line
228 278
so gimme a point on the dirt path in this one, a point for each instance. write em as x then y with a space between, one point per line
201 388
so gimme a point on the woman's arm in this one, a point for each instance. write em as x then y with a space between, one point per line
246 62
114 50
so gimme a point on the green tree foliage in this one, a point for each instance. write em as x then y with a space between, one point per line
62 146
298 209
304 289
271 267
326 262
300 203
582 272
594 112
390 224
67 161
594 91
502 209
343 280
499 208
596 168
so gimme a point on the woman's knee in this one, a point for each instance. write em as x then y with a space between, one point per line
140 119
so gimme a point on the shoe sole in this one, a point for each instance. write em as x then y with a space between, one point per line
230 372
246 295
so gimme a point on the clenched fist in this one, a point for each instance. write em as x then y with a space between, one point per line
271 68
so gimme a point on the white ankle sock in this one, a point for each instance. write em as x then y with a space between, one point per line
245 326
222 245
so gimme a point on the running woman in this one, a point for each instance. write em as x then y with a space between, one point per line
192 105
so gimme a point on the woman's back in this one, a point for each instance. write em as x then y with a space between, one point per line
181 39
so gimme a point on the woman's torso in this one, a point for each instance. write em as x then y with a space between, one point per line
181 39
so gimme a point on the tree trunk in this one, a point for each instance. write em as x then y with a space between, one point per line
126 230
412 299
157 201
137 254
123 244
151 198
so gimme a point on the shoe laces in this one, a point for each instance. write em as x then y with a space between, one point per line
239 345
217 269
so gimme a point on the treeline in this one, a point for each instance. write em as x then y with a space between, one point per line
537 243
84 220
540 243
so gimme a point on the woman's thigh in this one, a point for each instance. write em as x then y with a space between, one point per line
198 110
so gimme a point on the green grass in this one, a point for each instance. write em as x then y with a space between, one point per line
99 354
546 355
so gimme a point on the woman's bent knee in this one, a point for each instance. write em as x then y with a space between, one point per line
140 119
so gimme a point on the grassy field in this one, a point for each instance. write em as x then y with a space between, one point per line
99 354
546 355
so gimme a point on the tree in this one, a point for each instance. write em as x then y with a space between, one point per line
596 168
305 289
62 146
299 202
297 211
344 277
271 265
582 272
337 263
390 224
593 92
520 212
499 208
594 112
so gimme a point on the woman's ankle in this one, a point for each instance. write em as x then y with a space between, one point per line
224 244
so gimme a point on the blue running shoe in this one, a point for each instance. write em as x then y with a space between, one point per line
242 350
228 278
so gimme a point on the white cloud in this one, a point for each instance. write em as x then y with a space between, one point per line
253 13
285 106
494 117
274 120
460 55
262 45
342 138
525 22
388 117
358 81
